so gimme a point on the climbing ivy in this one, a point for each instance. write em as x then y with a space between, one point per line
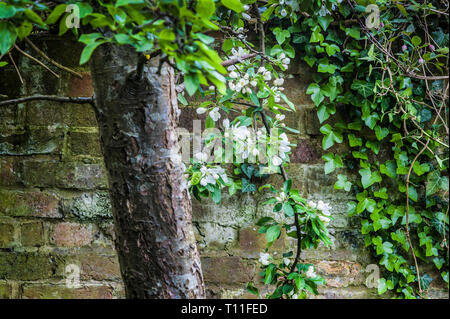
380 85
384 92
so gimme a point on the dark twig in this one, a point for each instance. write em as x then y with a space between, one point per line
62 99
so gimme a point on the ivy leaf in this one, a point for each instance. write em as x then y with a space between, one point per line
247 187
281 35
436 182
368 177
342 183
363 87
315 92
332 162
420 169
330 137
380 132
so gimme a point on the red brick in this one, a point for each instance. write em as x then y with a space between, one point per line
8 175
81 87
71 235
227 270
36 204
63 292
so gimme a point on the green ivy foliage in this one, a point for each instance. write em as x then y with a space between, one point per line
384 92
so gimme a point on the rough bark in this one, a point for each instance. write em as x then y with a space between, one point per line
150 200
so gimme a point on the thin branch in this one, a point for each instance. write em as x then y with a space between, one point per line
35 60
15 66
62 99
62 67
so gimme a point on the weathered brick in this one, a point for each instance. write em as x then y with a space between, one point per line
8 172
80 115
88 206
226 270
71 235
26 266
252 243
6 291
295 90
63 292
341 273
33 142
306 151
72 175
28 203
94 264
44 113
32 234
85 144
6 235
81 87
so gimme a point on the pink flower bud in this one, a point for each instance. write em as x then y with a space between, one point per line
431 47
421 61
404 48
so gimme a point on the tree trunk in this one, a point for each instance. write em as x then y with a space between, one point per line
150 200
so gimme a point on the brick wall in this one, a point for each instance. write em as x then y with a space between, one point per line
55 211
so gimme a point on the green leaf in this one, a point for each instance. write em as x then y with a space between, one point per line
288 210
247 186
332 162
420 169
281 35
88 50
381 132
234 5
6 11
252 289
191 83
272 233
8 36
436 182
205 8
120 3
363 87
34 17
342 183
368 177
416 41
330 137
316 94
56 13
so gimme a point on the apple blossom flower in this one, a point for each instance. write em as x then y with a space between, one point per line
264 258
201 110
214 114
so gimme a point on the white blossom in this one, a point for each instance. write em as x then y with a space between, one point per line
214 114
201 157
278 82
280 117
234 75
276 160
246 16
264 258
310 272
286 261
283 13
201 110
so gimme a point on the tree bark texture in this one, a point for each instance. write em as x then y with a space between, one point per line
150 200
